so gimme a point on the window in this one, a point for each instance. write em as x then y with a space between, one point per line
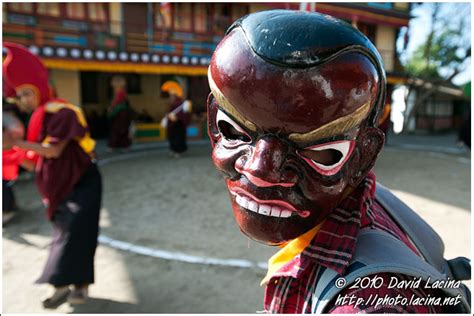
183 16
239 10
48 8
75 10
89 87
202 13
221 17
21 7
163 15
368 30
97 12
133 81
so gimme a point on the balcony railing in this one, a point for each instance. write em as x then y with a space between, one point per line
137 37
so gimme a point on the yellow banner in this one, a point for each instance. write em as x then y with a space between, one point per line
81 65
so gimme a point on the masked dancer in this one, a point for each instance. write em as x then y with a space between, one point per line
293 114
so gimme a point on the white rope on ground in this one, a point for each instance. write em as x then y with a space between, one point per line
182 257
164 254
179 256
124 156
142 150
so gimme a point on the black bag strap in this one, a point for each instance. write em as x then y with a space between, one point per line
426 240
379 252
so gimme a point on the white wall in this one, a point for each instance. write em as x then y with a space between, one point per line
67 84
385 42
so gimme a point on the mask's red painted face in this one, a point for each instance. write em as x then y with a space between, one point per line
290 141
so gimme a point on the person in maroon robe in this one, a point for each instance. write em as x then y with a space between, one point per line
177 119
120 116
58 147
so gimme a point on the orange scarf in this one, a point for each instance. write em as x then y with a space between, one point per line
289 251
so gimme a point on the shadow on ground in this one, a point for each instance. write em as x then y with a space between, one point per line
99 305
438 177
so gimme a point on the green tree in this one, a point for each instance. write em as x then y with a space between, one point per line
447 48
444 54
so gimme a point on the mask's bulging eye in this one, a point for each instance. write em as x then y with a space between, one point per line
232 133
229 132
327 159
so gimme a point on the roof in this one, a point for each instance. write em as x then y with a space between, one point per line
445 88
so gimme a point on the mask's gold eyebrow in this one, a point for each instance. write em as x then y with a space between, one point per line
227 106
338 126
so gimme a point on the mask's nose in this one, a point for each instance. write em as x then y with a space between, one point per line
265 165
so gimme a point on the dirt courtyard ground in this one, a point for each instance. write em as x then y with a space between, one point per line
182 206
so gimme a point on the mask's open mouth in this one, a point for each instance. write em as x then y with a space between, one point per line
273 208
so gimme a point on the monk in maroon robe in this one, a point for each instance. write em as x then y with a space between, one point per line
120 116
178 118
59 148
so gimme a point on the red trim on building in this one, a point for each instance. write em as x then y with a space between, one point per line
351 13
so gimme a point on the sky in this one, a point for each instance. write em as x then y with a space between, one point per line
418 31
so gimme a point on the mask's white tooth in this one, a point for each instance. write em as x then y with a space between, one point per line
285 213
265 209
238 199
275 211
244 202
253 206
